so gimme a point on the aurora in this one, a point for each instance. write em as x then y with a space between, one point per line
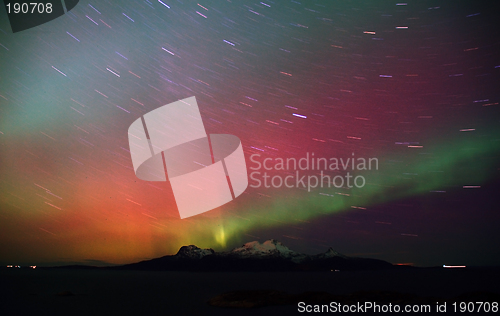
324 89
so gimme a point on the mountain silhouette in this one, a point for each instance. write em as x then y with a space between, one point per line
270 255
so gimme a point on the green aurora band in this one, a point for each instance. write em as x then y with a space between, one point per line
445 167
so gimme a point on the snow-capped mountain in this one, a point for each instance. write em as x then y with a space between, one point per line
256 248
330 253
270 255
269 248
193 252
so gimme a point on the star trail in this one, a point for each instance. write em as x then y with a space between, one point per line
413 84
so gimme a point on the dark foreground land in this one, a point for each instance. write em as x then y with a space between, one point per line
116 292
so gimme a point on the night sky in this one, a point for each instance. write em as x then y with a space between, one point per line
416 85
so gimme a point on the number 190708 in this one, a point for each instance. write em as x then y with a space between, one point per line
32 7
473 307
